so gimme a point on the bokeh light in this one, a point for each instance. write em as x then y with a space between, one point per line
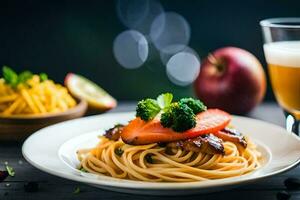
170 30
130 49
139 15
183 68
166 33
131 12
165 56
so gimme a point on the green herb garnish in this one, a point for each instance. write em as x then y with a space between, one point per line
77 190
10 76
24 76
82 169
14 79
10 170
43 76
164 100
119 151
149 158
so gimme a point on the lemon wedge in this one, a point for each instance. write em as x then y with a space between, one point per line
82 88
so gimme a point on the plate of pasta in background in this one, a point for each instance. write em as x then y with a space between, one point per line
166 147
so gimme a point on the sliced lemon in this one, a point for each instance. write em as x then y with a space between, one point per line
82 88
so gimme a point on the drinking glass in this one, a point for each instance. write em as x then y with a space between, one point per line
282 53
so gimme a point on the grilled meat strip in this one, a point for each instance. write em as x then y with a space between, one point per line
114 133
209 144
232 135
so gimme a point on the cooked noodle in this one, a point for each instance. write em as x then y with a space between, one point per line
120 160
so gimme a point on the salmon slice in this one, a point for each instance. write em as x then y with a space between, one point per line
139 132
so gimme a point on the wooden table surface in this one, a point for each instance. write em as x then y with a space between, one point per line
51 187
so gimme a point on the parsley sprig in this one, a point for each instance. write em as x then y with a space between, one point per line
14 79
10 170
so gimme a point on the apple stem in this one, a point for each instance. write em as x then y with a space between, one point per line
216 62
212 59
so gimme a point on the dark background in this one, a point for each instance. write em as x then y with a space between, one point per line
58 37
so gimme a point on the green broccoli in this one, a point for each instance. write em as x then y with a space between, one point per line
195 104
147 109
179 117
166 118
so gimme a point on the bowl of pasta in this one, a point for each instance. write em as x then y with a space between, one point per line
29 102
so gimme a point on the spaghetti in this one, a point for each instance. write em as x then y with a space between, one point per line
154 163
34 97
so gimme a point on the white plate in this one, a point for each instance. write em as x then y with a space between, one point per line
52 150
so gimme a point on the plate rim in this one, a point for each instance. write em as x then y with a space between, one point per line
153 185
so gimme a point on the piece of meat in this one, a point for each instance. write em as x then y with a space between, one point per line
114 133
139 132
209 144
232 135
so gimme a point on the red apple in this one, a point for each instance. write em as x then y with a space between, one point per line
231 79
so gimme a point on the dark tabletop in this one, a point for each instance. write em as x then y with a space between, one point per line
51 187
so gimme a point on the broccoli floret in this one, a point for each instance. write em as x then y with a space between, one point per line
166 118
179 117
183 118
195 104
147 109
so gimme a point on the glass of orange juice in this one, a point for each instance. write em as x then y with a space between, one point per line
282 53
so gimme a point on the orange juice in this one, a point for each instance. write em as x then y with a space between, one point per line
283 59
